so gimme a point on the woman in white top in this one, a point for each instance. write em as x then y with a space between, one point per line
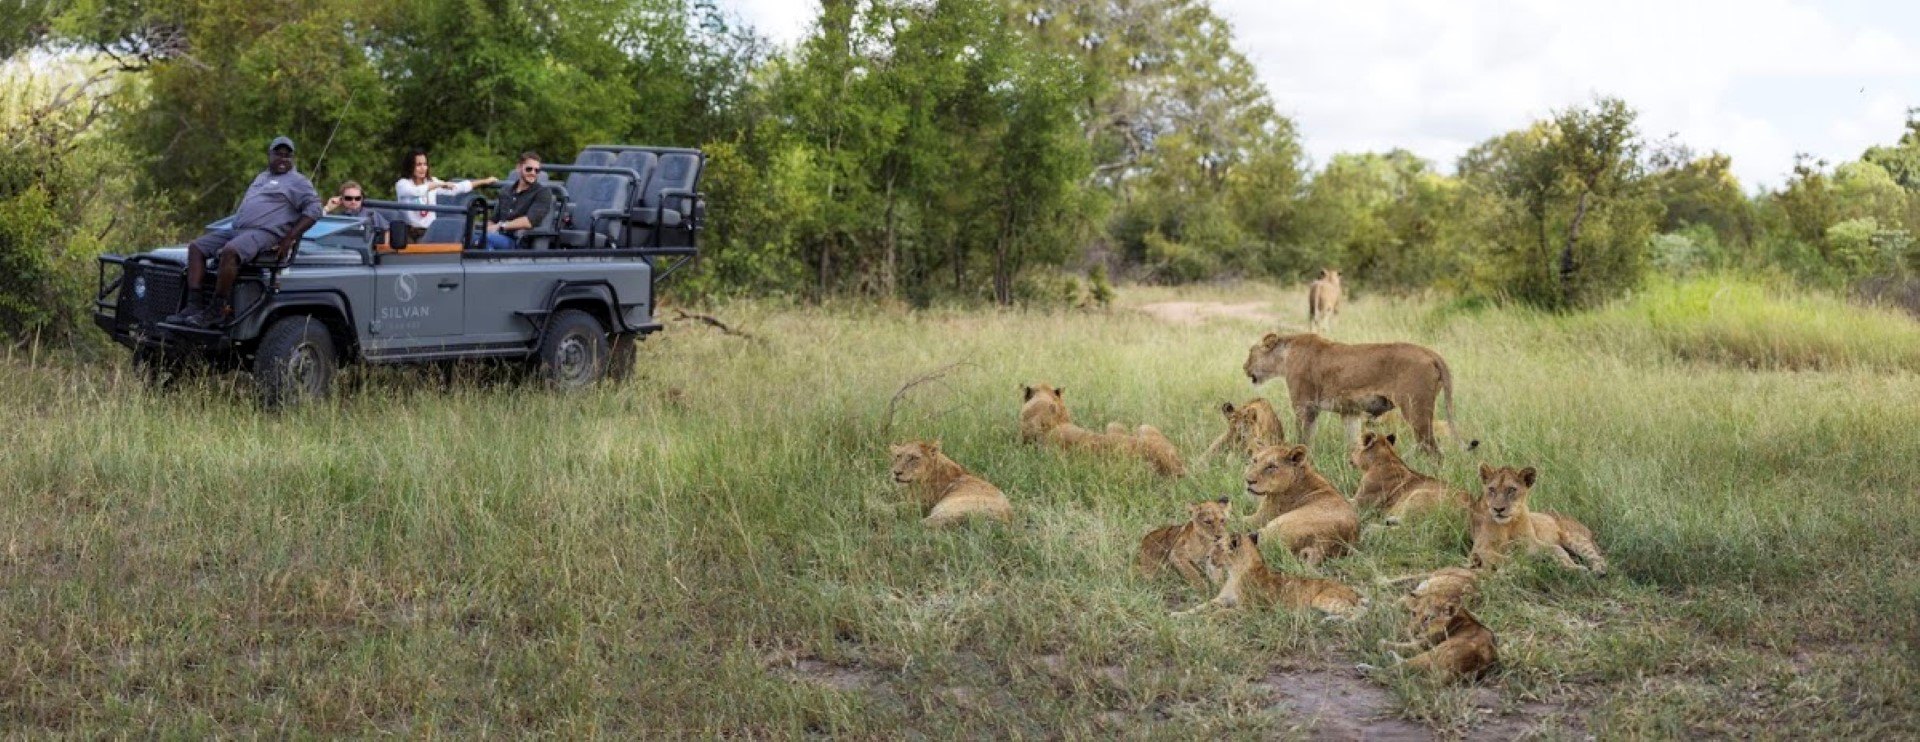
420 187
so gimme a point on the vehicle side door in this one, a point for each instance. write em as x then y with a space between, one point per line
420 302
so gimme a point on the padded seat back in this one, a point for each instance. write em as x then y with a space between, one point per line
446 227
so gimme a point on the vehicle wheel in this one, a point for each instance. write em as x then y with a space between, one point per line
622 355
573 353
295 362
159 368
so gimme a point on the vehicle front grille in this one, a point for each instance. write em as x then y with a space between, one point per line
166 291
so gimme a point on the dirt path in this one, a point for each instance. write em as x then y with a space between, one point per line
1196 312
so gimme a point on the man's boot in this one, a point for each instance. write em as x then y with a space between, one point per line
196 306
216 314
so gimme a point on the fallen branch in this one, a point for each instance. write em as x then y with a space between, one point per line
886 425
682 315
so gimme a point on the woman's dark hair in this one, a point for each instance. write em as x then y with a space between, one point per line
406 165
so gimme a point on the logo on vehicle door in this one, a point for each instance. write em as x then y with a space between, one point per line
403 287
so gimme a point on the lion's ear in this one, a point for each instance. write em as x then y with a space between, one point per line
1253 537
1029 392
1271 339
1060 392
1366 439
1391 440
1224 501
1226 408
1297 455
1486 472
933 446
1528 475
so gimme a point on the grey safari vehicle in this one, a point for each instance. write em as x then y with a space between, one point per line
573 299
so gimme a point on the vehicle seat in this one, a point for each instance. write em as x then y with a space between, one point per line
595 194
667 224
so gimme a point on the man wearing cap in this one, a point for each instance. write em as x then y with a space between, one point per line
279 207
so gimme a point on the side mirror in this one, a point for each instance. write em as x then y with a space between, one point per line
397 234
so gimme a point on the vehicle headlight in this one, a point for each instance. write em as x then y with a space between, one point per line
140 287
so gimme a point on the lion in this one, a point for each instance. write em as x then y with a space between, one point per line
1456 644
1044 419
1323 300
1389 486
1356 380
1250 427
948 492
1501 519
1299 507
1447 583
1184 546
1248 580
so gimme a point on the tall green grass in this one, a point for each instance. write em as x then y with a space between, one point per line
714 547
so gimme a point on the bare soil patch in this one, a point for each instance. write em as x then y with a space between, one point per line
1335 703
1197 312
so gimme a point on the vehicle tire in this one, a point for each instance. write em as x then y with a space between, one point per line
160 369
573 352
295 363
622 354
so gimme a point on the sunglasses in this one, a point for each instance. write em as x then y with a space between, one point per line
351 198
530 170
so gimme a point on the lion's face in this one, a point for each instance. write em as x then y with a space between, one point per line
912 460
1275 469
1245 423
1211 517
1043 407
1232 550
1430 619
1267 358
1373 449
1504 490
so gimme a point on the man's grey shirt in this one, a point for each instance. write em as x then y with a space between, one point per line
274 202
376 221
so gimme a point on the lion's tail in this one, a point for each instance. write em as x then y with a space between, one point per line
1446 388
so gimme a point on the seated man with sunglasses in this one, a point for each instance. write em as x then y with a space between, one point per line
348 203
522 205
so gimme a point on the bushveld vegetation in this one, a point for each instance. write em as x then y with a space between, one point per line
960 151
714 545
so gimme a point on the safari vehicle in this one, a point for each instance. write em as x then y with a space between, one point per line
572 300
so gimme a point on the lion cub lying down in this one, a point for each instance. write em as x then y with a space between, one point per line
1184 546
1388 485
1247 580
945 489
1298 507
1501 519
1456 644
1044 418
1250 427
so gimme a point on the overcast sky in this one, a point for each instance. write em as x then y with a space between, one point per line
1757 79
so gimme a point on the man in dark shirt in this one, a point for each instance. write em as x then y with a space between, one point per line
349 202
523 205
279 207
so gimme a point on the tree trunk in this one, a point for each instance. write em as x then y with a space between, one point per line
1002 268
888 282
1567 266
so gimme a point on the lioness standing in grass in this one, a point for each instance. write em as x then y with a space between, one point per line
1389 486
1355 381
1250 427
1250 581
1298 507
947 491
1044 419
1323 300
1501 520
1184 546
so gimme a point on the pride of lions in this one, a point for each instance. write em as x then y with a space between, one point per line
1299 509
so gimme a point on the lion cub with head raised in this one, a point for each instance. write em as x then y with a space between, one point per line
1247 580
1456 644
1298 507
1184 546
1389 486
1250 427
948 492
1044 419
1501 519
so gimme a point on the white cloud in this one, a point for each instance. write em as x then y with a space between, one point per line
1759 80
